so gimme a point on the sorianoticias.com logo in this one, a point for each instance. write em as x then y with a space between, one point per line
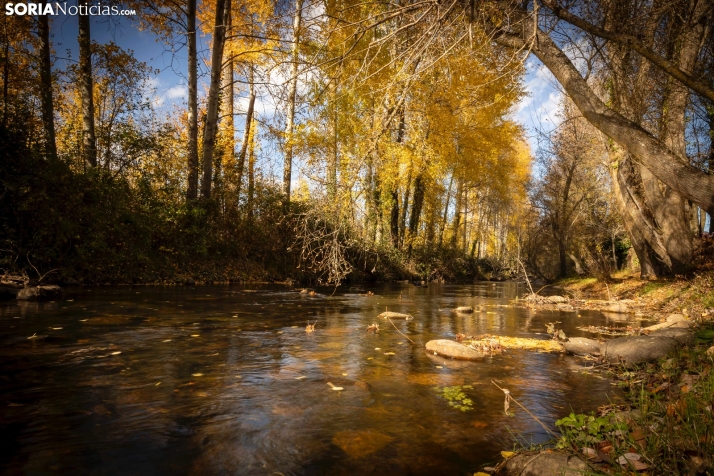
58 8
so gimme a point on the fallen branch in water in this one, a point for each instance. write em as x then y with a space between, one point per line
390 321
510 398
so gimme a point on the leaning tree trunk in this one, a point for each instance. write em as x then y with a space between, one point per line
209 135
86 88
668 166
192 149
48 119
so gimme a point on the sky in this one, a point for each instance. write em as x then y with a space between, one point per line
536 111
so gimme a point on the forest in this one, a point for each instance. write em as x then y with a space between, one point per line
386 146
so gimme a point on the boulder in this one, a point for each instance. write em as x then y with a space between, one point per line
682 336
449 348
464 309
557 299
395 315
544 463
582 346
637 349
40 293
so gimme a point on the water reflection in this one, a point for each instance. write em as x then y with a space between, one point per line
224 380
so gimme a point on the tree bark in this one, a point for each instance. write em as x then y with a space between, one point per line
48 109
209 135
86 88
251 174
672 169
192 181
292 95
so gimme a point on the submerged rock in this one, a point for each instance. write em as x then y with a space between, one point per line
638 349
617 307
449 348
582 346
464 309
40 293
395 315
544 463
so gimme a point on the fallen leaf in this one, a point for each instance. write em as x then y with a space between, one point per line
116 353
56 328
439 367
389 353
167 340
300 377
197 375
195 335
157 384
507 454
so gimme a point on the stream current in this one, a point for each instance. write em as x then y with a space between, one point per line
225 380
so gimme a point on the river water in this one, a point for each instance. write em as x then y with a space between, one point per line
225 380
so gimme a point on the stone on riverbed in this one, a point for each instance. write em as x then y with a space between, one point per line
617 307
40 293
557 299
464 309
542 464
449 348
395 315
638 349
582 346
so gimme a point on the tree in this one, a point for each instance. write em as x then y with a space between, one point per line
48 109
89 139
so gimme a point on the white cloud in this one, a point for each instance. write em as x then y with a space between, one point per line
178 91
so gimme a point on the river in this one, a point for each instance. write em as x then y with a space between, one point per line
225 380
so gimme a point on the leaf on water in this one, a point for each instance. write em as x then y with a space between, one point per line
33 336
280 332
337 388
481 473
377 348
83 320
389 353
116 353
439 367
300 377
369 358
56 328
293 327
167 340
195 335
197 375
344 375
157 384
507 454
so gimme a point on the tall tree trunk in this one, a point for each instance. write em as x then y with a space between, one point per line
394 218
86 88
251 173
417 204
48 118
5 73
446 210
456 225
247 129
209 135
332 159
292 95
192 181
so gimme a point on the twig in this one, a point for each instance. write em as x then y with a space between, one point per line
525 273
390 321
524 408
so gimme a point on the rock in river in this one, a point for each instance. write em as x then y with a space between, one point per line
557 299
449 348
395 315
582 346
634 350
544 463
464 309
40 293
682 336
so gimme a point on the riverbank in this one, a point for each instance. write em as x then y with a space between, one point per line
666 425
